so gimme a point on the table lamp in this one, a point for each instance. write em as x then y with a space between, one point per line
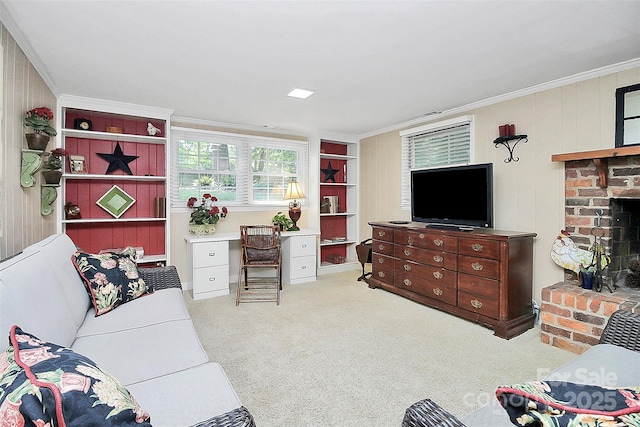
293 193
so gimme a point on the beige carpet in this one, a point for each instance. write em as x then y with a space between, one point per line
336 353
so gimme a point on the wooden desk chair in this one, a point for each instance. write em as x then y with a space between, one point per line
261 250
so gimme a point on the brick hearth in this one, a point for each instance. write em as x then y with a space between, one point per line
573 318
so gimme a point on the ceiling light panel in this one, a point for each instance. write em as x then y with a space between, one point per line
300 93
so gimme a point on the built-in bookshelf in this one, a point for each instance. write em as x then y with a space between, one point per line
92 127
338 206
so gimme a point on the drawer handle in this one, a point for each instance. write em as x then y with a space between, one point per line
381 233
438 258
476 304
421 235
212 279
381 247
477 247
438 291
304 267
380 260
407 267
477 266
212 254
410 240
437 275
407 282
380 273
304 246
407 252
438 242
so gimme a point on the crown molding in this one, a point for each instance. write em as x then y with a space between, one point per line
575 78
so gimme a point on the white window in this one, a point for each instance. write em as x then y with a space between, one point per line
240 170
435 145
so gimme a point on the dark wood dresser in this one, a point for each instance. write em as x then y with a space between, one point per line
484 275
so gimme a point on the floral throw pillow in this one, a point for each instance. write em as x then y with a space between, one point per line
43 384
112 279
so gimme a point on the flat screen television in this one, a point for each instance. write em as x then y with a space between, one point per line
454 195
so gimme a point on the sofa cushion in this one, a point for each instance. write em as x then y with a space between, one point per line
179 408
111 279
139 354
58 248
163 306
32 298
51 385
605 365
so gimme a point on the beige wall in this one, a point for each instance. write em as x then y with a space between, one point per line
21 223
529 194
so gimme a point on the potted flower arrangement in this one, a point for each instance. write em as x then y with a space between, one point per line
52 166
205 216
38 120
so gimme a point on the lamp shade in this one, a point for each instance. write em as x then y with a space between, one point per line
293 191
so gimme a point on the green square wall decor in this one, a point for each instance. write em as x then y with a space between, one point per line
116 201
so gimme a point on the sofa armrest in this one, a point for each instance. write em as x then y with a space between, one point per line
426 413
161 277
622 329
239 417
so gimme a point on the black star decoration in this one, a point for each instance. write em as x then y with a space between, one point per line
329 173
118 160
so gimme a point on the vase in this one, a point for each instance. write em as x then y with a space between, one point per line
201 229
37 141
52 177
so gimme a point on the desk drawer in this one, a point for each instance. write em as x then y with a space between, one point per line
429 273
428 288
302 246
425 256
211 279
479 248
208 254
380 233
301 267
479 266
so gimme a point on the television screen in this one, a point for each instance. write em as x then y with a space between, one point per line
456 195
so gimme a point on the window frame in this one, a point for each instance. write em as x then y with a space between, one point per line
244 174
407 134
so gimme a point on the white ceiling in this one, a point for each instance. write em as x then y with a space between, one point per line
373 64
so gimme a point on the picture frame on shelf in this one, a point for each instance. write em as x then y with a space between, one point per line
77 164
116 201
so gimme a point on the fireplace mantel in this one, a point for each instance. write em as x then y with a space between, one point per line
600 159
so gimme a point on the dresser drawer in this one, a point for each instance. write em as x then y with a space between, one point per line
478 304
210 279
479 248
425 240
301 267
382 261
381 233
426 272
207 254
481 286
383 274
426 288
382 247
302 246
425 256
479 266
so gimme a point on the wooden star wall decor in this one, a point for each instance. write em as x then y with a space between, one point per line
118 160
330 173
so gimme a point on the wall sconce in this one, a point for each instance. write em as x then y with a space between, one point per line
507 137
293 193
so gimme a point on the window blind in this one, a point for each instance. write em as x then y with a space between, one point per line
434 146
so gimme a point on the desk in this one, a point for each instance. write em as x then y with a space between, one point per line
208 259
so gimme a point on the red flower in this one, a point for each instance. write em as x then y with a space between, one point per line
224 210
206 196
191 202
214 210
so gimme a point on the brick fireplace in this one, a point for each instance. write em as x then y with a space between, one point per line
600 186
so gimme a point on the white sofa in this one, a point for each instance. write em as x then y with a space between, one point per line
166 370
614 362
